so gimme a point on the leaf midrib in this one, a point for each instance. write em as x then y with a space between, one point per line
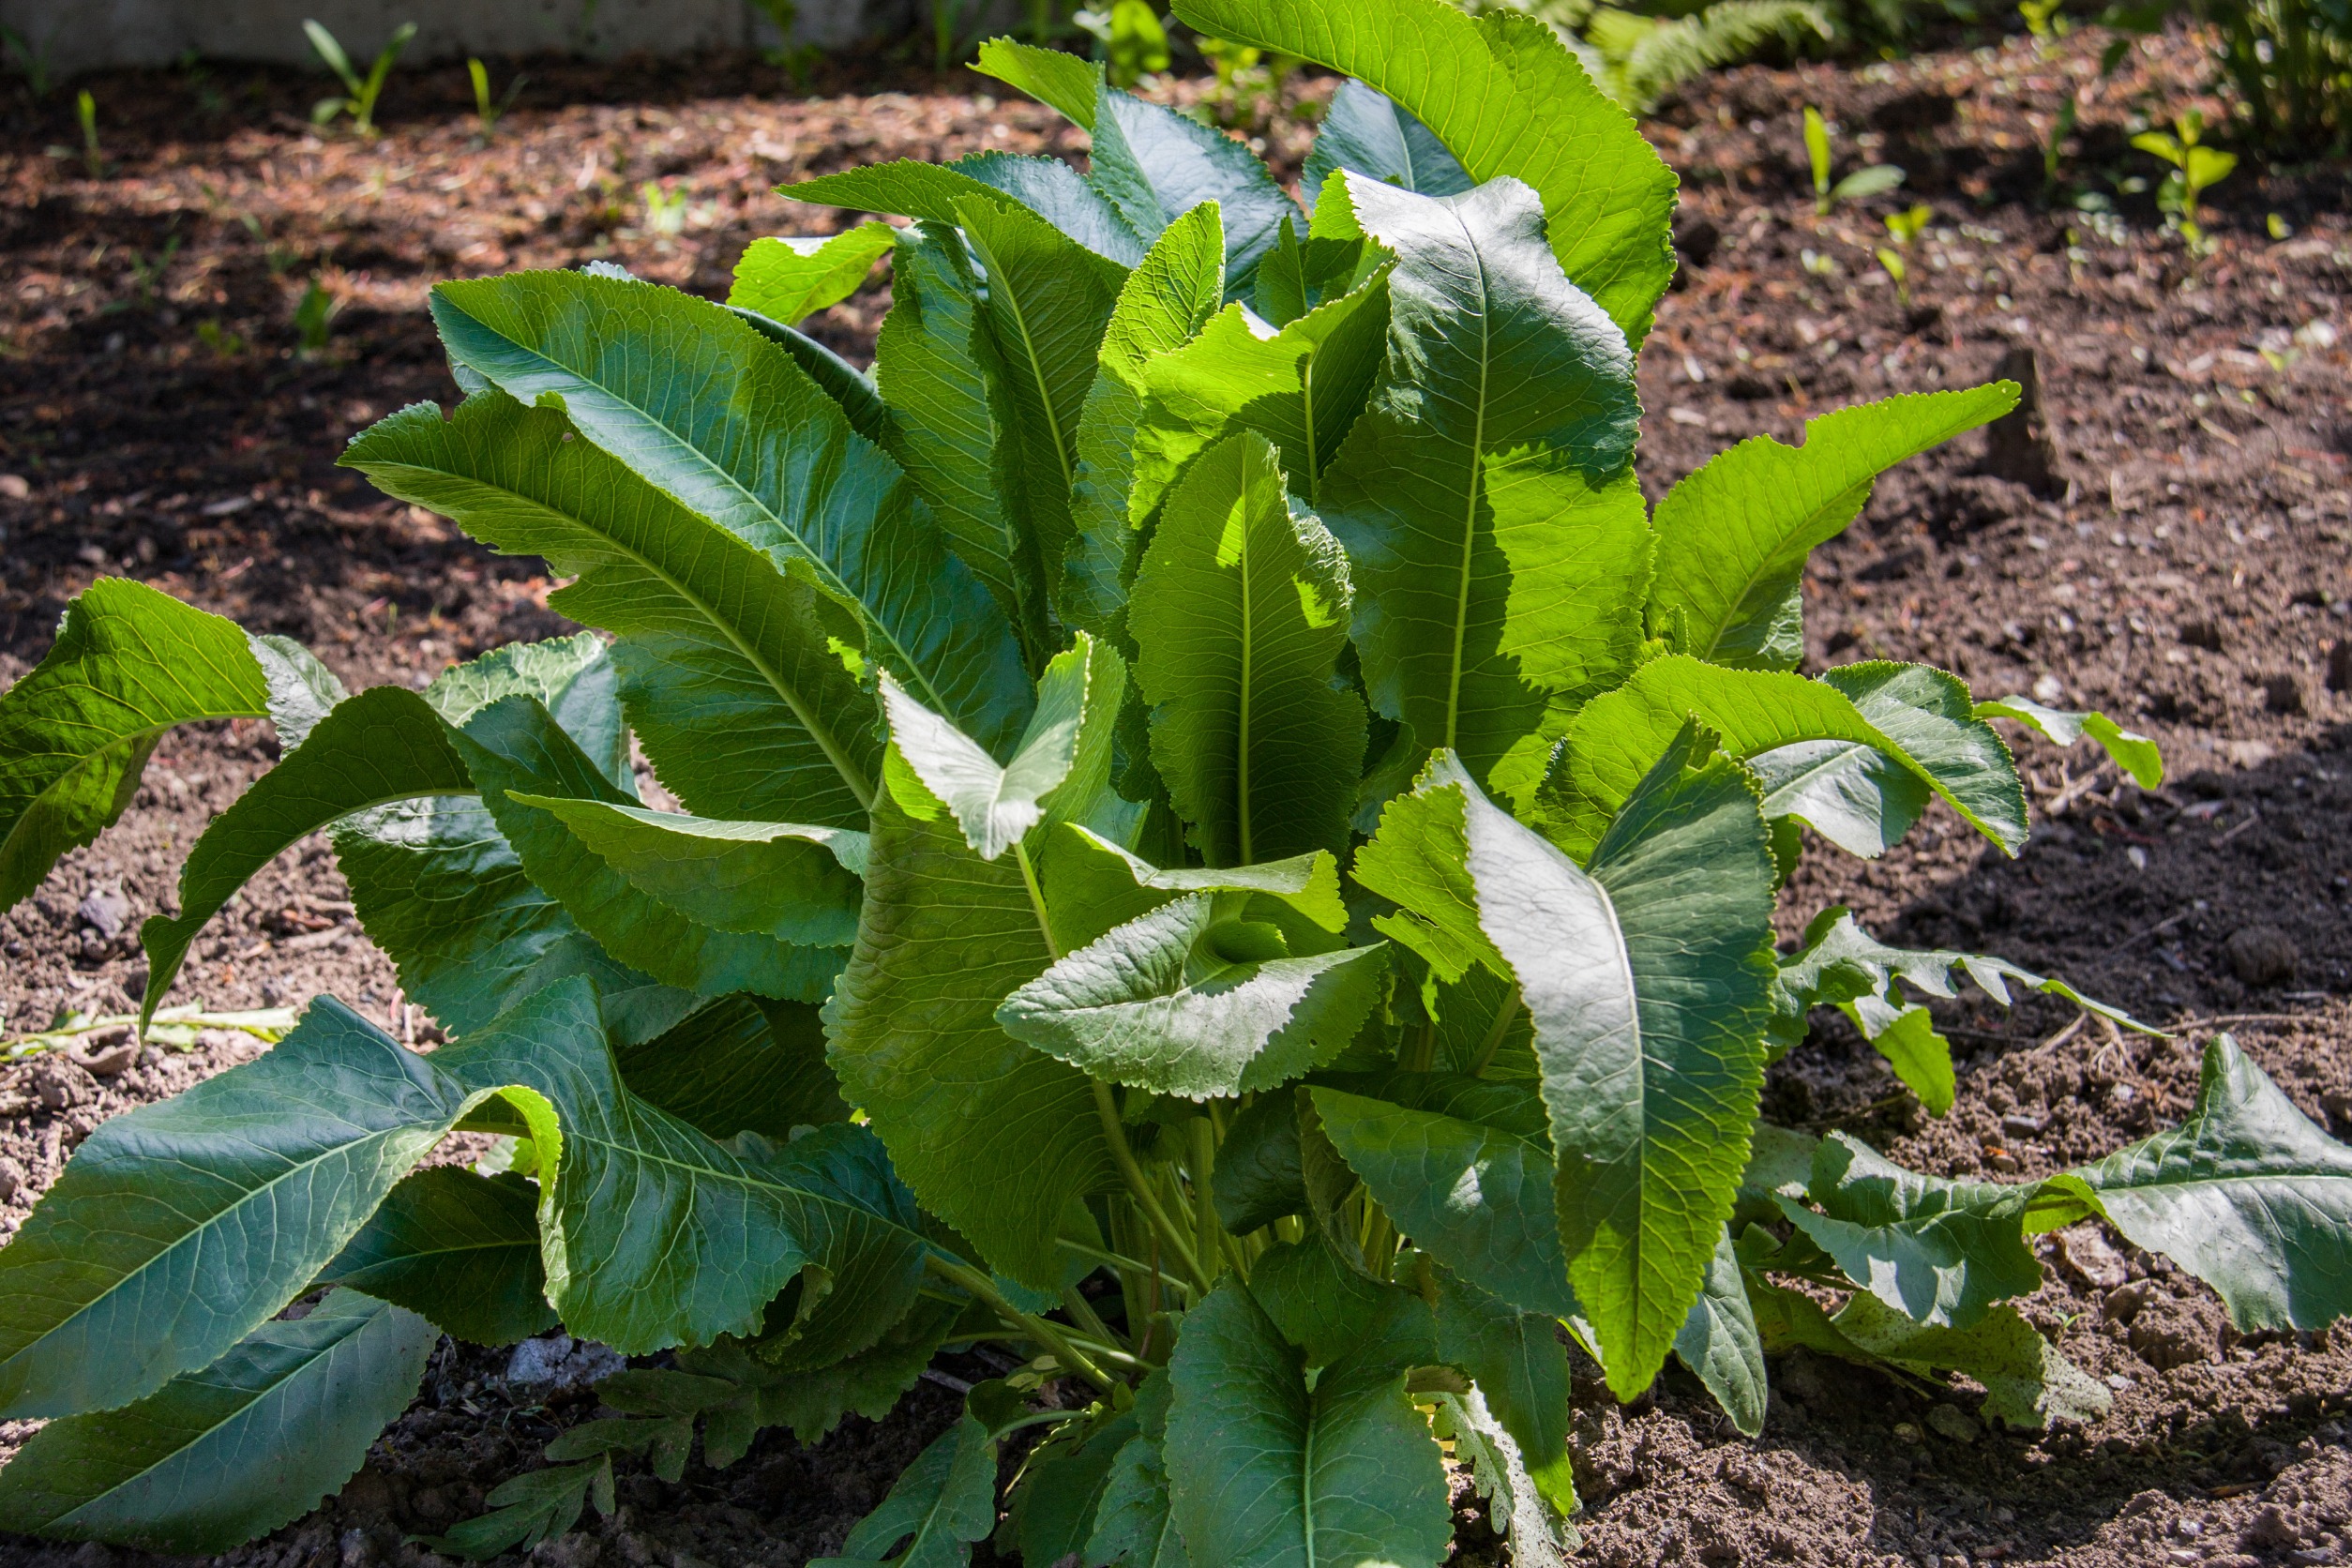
999 281
1470 485
816 561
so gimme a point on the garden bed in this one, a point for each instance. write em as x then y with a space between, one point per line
2187 570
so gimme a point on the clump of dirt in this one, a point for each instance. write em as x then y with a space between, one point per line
2166 540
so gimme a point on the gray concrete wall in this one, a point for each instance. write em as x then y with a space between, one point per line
81 35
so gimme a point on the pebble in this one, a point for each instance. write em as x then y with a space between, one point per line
558 1361
106 910
12 1178
104 1052
2261 955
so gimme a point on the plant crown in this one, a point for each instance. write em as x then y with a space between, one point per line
1218 843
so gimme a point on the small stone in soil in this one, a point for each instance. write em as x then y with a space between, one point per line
106 910
558 1361
2261 955
61 1084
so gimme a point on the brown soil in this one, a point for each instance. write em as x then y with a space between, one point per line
2186 567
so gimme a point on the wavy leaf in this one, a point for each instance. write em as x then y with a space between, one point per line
2134 753
1494 530
1365 132
1045 186
1521 1372
1719 1342
216 1457
937 1508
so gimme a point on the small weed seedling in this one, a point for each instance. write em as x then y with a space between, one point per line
486 110
86 110
223 343
665 211
1875 180
29 61
361 92
2195 168
1129 41
1902 227
2055 148
793 59
2046 21
313 320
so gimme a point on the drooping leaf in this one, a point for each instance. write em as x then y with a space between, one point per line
1054 77
1241 616
953 426
1264 1470
1463 1168
514 748
1054 1512
994 1136
526 1510
938 1507
75 734
1366 132
1938 1251
739 1063
183 1225
1045 186
1521 1372
1719 1341
1093 886
810 1402
2028 1383
1734 534
1856 796
384 745
1919 716
1841 964
742 705
717 418
458 1250
1189 1000
1494 530
218 1455
785 280
2135 754
1419 859
1503 95
1134 1525
1162 303
783 879
2247 1194
1301 388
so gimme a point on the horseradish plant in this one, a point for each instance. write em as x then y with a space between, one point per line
1224 849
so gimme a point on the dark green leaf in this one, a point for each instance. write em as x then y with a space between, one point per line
1365 132
1521 1371
458 1248
739 1063
1719 1341
1257 1178
939 1504
216 1457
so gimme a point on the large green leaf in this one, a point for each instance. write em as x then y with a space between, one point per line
785 279
1521 1369
1493 525
951 423
1240 618
1302 388
458 1248
1503 95
1464 1168
1045 186
515 748
1936 1250
1266 1468
181 1226
1646 980
1856 796
1134 1525
937 1508
75 734
796 883
1490 1456
384 745
729 661
1419 860
1162 303
995 1137
1191 999
1734 534
1260 1174
1919 716
739 1063
217 1457
1048 302
2248 1195
2028 1383
714 415
1365 132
